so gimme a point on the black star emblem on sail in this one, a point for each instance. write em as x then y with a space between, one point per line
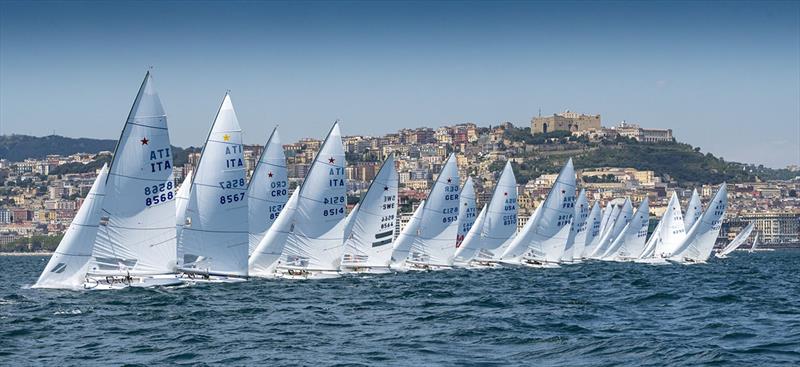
386 188
269 174
144 141
449 180
331 160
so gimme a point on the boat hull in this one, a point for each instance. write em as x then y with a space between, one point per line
116 282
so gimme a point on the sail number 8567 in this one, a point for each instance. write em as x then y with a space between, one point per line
232 198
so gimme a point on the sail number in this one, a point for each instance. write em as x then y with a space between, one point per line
335 200
278 188
274 210
157 194
332 212
232 184
227 199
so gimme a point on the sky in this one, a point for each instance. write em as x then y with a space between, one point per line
723 76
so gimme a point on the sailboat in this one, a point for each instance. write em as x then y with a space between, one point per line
135 242
494 227
694 209
592 231
630 243
467 211
68 266
181 201
401 249
316 240
598 232
268 190
737 241
700 239
370 231
213 243
616 224
548 233
434 245
667 236
755 243
576 243
266 257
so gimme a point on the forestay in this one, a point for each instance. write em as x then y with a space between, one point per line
136 234
68 265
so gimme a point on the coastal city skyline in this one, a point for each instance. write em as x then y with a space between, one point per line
716 75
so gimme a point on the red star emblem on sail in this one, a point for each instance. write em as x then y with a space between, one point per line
144 141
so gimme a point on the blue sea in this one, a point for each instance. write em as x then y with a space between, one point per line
741 311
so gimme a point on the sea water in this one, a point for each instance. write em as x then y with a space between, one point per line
740 311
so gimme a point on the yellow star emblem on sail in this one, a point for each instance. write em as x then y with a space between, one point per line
226 137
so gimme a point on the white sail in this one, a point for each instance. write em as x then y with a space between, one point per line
267 191
616 224
136 234
467 211
490 235
669 232
575 245
435 244
700 239
68 265
181 201
266 256
737 241
592 247
755 243
629 244
402 245
550 232
368 240
214 237
592 231
694 209
317 240
519 243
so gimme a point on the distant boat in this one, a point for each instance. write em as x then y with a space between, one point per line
630 243
616 224
267 191
547 236
755 243
738 241
577 239
467 211
68 266
667 236
316 240
213 241
694 209
135 242
700 239
495 226
434 245
369 236
591 233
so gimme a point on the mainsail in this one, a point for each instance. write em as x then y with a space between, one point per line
268 190
737 241
619 218
547 237
181 201
435 244
755 243
700 239
67 267
694 209
317 239
575 245
467 211
629 244
368 241
136 234
495 226
214 235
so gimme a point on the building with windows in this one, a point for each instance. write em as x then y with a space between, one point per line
565 121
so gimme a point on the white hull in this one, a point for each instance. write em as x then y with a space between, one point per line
365 270
652 261
305 274
415 266
205 278
114 282
531 263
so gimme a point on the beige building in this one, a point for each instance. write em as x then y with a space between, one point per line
635 131
565 121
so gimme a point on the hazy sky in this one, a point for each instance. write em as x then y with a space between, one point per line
723 76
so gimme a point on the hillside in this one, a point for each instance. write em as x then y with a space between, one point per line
19 147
